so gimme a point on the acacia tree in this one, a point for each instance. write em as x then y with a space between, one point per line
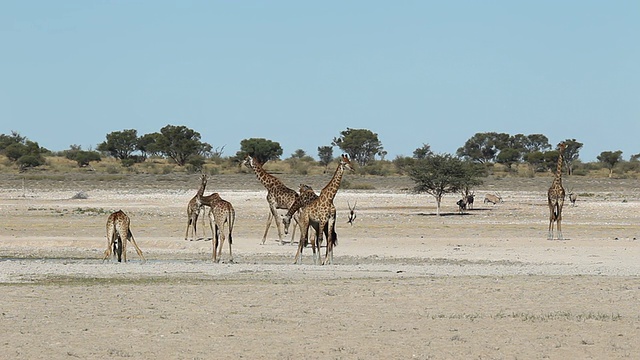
120 144
422 152
260 149
442 174
610 159
571 153
181 143
325 154
148 144
361 145
483 147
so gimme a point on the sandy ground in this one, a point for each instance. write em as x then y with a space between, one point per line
405 283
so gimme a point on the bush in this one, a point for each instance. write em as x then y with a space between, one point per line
30 160
375 168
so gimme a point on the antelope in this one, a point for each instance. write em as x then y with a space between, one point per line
352 212
469 199
462 206
573 197
494 199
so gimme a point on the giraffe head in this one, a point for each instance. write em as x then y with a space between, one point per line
345 163
250 162
562 146
303 188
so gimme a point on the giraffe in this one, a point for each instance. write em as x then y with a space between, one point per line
118 234
193 208
555 197
221 212
279 196
306 196
321 212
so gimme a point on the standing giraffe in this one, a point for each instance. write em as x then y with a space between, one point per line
279 196
306 196
118 234
221 213
321 212
194 207
555 197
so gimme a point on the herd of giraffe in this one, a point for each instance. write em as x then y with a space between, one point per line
307 208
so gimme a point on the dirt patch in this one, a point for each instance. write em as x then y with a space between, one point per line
404 284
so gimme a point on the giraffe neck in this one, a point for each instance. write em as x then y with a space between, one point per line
558 177
269 181
332 187
201 189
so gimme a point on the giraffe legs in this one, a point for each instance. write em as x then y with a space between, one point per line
217 247
218 243
293 232
304 235
555 216
273 216
266 230
133 241
110 242
559 223
331 238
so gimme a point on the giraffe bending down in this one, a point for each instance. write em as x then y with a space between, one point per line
305 196
221 212
118 234
555 197
194 207
321 212
279 196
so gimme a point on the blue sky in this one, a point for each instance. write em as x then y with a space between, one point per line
300 72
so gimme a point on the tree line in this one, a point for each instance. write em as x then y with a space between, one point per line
435 174
184 146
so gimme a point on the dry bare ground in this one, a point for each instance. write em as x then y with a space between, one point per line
405 284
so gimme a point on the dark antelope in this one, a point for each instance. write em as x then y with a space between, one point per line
352 212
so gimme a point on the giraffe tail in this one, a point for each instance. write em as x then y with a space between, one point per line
334 235
556 210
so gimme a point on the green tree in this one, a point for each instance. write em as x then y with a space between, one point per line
147 144
442 174
610 159
179 143
120 144
299 154
422 152
18 149
361 145
536 160
508 157
571 153
483 147
14 138
325 154
527 143
260 149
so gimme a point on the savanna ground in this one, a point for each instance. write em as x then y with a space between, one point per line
405 284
